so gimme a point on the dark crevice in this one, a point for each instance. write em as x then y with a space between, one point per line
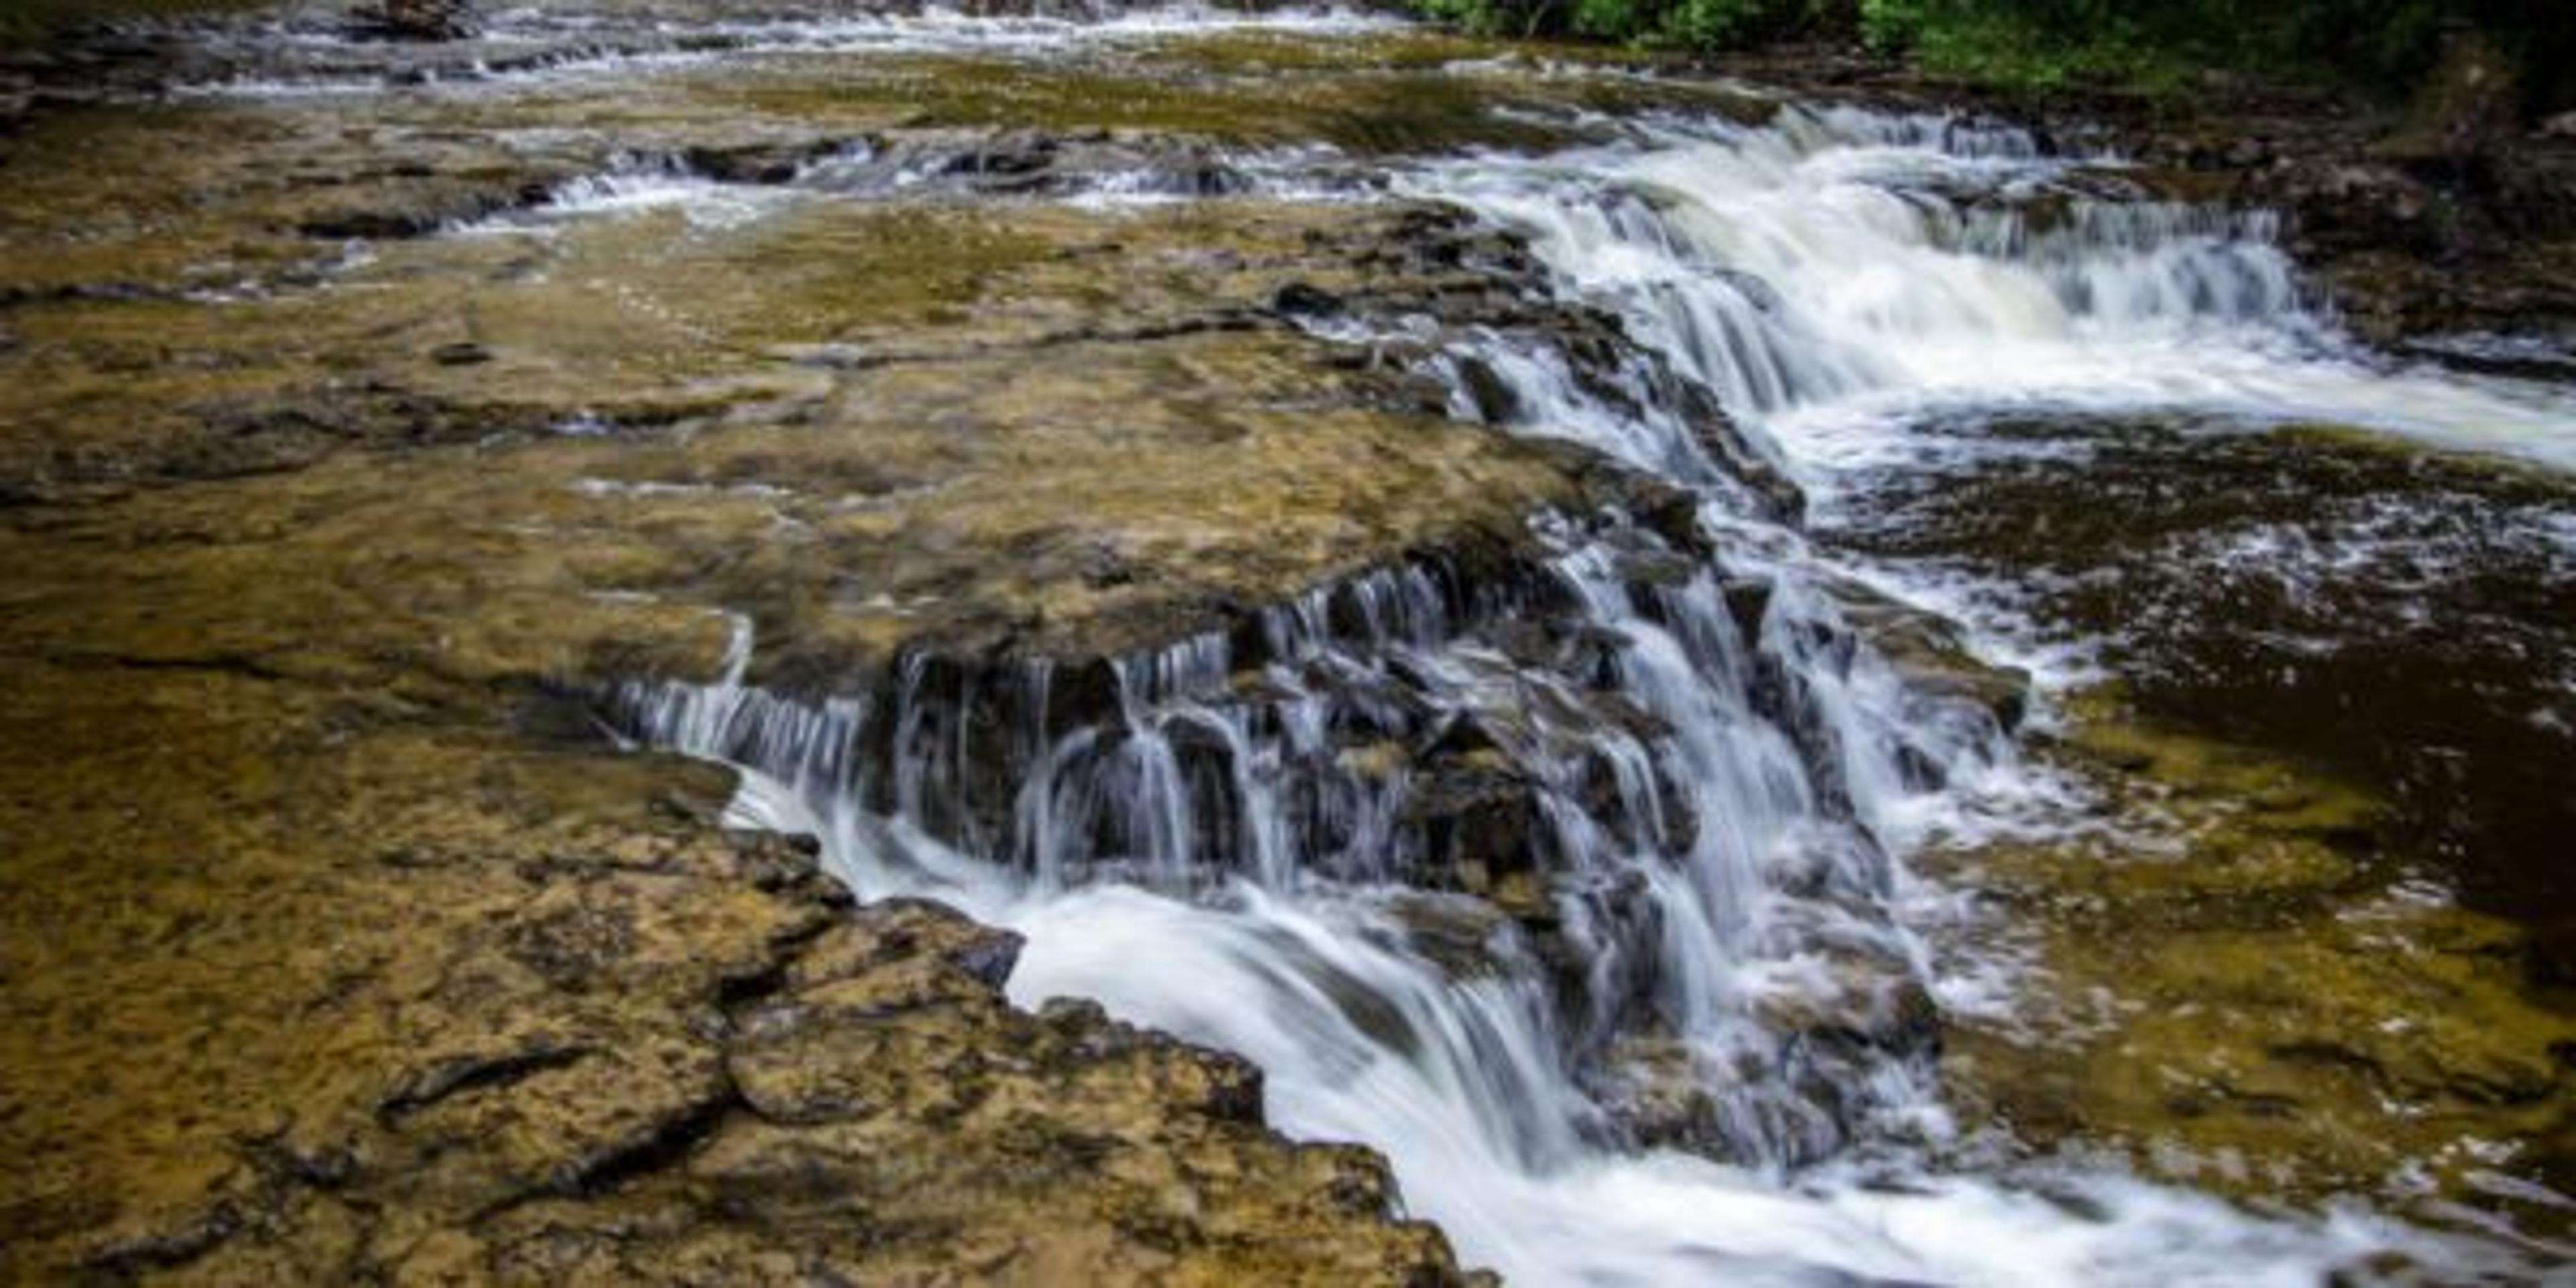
235 664
660 1145
169 1249
464 1074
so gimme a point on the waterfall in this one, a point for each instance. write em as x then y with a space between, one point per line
1573 887
1834 274
1678 794
1718 882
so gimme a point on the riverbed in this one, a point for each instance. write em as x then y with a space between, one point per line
1746 683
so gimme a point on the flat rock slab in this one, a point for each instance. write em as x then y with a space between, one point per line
346 449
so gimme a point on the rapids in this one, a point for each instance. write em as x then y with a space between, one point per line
1212 860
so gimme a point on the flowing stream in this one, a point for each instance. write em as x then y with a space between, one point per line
1729 778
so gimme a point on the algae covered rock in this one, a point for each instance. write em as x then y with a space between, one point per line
373 956
2247 998
428 1004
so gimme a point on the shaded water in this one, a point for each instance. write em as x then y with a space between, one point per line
1721 779
1978 375
2405 620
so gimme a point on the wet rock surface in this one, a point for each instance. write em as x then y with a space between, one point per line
2252 993
2320 954
347 455
2404 251
361 439
2301 588
430 1004
2408 245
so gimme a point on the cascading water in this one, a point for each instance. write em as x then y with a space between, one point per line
1718 888
1836 273
1467 863
1697 831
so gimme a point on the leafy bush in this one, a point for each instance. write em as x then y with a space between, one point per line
2041 43
1892 25
1712 24
24 22
1689 24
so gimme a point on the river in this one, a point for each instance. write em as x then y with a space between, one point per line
1708 1030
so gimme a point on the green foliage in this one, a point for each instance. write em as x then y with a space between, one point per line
1688 24
2388 44
2042 43
1892 25
1715 24
27 22
1609 19
2035 46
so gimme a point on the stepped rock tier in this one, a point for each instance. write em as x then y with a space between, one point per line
692 642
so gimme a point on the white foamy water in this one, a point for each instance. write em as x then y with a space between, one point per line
1589 1216
521 48
1304 961
1468 1098
702 202
1839 274
858 173
1843 279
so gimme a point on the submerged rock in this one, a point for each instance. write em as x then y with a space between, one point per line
2253 1002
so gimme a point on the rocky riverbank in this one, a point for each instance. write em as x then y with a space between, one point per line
2439 226
341 941
378 420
